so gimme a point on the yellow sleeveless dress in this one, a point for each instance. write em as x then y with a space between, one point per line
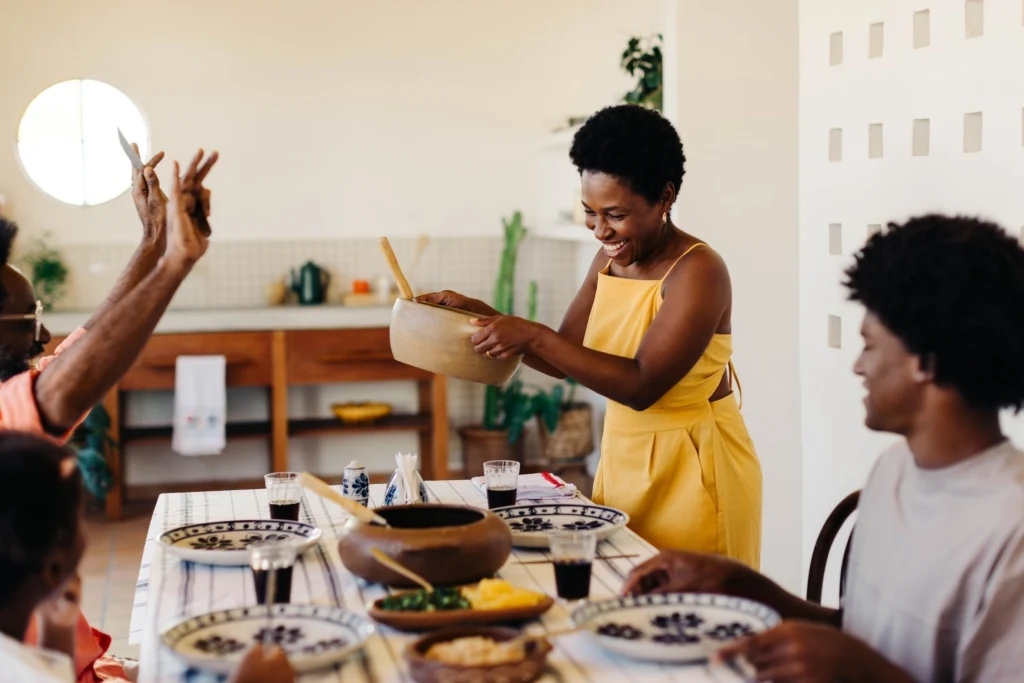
685 469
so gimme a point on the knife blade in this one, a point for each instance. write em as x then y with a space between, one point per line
133 156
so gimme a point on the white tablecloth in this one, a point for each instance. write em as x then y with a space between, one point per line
169 590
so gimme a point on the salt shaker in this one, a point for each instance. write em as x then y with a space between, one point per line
355 483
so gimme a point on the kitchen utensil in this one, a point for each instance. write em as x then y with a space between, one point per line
436 339
359 512
596 558
133 156
448 545
421 246
227 543
396 567
310 284
396 270
674 627
526 670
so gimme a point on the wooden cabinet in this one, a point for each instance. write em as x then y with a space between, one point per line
277 360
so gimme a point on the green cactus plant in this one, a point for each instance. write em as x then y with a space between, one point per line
510 407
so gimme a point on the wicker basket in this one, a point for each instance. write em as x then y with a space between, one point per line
574 438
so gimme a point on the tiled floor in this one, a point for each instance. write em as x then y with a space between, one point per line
110 570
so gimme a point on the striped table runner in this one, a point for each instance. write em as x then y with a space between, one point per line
169 589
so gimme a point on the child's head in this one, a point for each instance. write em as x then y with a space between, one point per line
944 329
41 536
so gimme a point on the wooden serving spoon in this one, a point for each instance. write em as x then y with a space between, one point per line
403 285
322 489
395 566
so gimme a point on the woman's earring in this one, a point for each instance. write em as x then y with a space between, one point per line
664 218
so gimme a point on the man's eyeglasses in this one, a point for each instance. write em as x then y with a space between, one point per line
37 316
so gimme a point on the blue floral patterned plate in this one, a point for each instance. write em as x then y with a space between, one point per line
227 543
313 636
676 628
531 525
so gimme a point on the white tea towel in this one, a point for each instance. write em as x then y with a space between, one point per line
200 405
536 486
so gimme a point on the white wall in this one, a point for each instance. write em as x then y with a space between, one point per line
334 118
941 82
735 103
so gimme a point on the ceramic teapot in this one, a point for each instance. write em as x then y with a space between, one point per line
310 284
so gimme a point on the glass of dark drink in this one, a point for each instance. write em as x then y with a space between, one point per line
572 553
272 563
501 478
284 493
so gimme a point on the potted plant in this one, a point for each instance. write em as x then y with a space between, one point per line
507 409
642 59
46 271
565 426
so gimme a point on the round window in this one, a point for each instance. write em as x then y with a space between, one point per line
68 144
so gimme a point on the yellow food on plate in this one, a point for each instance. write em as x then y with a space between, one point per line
475 651
500 594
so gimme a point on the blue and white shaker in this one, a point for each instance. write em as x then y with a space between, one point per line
355 483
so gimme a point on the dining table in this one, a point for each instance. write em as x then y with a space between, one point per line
170 590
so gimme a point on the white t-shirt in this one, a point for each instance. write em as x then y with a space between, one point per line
936 574
27 664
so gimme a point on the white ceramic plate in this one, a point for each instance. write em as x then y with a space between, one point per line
227 543
313 636
673 628
532 525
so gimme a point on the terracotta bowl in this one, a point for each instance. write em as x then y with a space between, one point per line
425 670
448 545
436 339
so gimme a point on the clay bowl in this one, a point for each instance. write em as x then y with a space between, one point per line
436 339
425 670
448 545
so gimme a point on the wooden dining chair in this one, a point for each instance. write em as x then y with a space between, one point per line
823 548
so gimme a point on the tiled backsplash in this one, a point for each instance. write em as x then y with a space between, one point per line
236 275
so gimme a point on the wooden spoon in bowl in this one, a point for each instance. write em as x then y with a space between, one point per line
403 285
395 566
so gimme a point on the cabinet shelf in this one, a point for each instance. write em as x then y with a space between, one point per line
330 425
297 427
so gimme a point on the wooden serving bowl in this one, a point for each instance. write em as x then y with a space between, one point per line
448 545
436 339
526 670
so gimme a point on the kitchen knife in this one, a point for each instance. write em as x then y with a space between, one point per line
133 156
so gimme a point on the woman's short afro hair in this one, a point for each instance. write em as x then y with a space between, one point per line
635 144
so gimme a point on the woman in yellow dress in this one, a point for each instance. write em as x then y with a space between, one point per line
650 329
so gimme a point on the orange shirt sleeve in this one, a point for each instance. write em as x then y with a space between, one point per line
18 409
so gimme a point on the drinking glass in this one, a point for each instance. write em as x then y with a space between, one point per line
272 563
572 553
284 492
501 478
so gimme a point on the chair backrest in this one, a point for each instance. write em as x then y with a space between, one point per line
823 548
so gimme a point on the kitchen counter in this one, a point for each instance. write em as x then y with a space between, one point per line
62 323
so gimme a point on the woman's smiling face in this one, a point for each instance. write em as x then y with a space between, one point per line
627 225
